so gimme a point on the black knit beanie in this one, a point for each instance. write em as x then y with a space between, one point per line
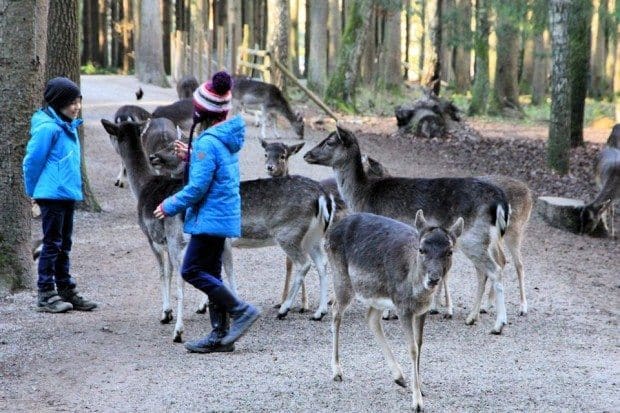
60 92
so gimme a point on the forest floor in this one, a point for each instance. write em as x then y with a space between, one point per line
562 356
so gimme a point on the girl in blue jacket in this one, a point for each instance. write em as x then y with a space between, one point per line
52 177
212 205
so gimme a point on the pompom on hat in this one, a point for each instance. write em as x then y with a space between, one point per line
212 99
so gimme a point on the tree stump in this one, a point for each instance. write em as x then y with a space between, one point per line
564 213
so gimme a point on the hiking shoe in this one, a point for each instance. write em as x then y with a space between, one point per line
208 345
241 321
79 303
51 302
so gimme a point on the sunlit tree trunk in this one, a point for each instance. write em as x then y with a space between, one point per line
21 74
293 47
597 62
317 65
462 56
505 95
579 17
431 73
150 59
540 14
480 89
558 145
448 40
279 27
617 68
335 34
342 83
390 67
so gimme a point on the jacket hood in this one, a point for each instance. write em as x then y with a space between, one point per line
48 115
231 133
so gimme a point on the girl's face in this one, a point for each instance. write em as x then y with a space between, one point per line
72 110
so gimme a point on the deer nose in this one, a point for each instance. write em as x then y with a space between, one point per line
270 168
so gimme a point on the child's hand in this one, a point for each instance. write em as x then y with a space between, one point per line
180 149
159 211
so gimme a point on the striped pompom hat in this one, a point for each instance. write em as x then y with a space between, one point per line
212 98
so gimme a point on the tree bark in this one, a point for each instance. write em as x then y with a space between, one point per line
579 16
342 83
334 33
317 65
22 67
540 19
617 68
598 84
166 25
150 62
558 145
293 47
90 33
448 40
368 61
104 57
63 59
390 67
505 95
480 89
431 74
462 57
279 27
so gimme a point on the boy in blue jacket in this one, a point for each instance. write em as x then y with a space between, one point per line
212 204
53 178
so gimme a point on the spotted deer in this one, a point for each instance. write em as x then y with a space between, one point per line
483 206
387 264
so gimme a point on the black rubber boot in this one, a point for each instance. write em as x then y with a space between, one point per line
243 314
220 323
79 303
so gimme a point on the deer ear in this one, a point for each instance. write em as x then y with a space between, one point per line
345 135
293 149
457 228
263 143
420 221
299 116
110 127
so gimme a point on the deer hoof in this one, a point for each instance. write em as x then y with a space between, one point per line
282 316
447 315
178 337
277 306
167 317
470 321
401 382
496 331
201 310
302 310
117 183
338 377
318 317
483 311
433 312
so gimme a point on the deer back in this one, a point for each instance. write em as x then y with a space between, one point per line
179 112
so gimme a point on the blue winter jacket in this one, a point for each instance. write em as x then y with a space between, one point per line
52 162
211 195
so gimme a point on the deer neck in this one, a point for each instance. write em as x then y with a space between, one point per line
138 170
352 181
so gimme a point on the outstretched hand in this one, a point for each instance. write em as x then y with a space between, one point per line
180 149
159 211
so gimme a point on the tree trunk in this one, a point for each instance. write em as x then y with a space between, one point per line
166 25
448 40
613 20
63 59
334 33
21 74
234 33
293 47
317 65
279 27
127 36
480 89
540 14
342 83
90 33
150 63
597 64
505 95
368 61
558 146
462 57
579 16
104 57
390 67
617 68
431 74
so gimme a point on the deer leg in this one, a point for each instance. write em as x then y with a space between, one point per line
514 246
227 263
160 255
263 123
337 311
449 308
175 259
120 178
418 330
320 261
474 313
287 280
373 317
301 266
343 294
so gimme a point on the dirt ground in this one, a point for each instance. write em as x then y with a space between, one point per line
562 356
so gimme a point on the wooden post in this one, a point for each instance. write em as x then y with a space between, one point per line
310 94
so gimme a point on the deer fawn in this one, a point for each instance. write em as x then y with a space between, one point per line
483 206
389 265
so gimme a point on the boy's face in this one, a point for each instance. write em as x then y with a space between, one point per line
72 110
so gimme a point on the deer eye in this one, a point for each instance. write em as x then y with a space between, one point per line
423 251
282 157
265 155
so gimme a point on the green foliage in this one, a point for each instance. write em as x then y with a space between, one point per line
91 69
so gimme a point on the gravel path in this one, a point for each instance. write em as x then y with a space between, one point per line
562 356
